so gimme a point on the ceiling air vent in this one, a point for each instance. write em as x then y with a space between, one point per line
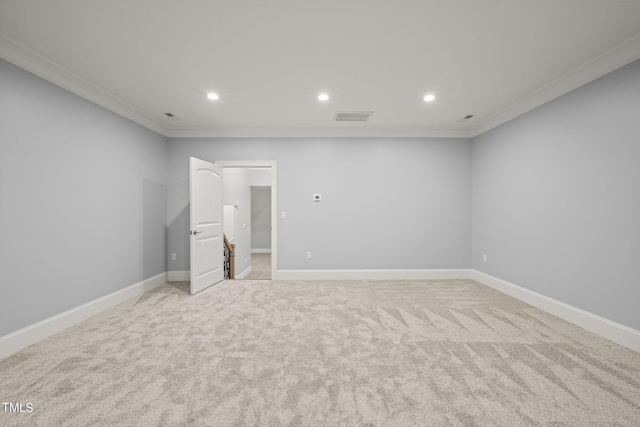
353 116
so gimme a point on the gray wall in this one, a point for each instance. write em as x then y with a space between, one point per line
387 203
92 203
556 198
261 218
83 200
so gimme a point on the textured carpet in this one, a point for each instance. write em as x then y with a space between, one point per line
402 353
260 267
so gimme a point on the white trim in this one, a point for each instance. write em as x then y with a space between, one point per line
374 274
247 163
18 340
614 58
261 251
613 331
179 276
320 132
37 64
153 282
185 276
244 274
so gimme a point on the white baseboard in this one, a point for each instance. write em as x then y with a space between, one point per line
373 274
18 340
261 251
185 276
179 276
608 329
244 274
153 282
620 334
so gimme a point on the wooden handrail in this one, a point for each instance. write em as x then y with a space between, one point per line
232 258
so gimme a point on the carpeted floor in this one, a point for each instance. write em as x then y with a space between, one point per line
272 353
260 267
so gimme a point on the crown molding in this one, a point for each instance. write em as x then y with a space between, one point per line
612 59
37 64
318 132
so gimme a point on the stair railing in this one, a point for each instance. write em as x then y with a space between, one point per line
229 259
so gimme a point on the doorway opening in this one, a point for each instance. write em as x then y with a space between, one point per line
249 183
260 233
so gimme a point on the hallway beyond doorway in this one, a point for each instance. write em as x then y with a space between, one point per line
260 267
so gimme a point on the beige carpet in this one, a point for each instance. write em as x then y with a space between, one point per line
245 353
260 267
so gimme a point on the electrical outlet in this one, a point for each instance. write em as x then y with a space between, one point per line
484 258
308 255
173 257
283 214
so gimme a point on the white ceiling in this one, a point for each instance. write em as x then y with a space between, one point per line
269 60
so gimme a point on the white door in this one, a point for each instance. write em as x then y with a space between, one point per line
206 229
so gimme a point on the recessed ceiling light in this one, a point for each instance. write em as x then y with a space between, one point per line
323 97
213 96
430 97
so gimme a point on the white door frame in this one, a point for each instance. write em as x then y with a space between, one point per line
273 164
